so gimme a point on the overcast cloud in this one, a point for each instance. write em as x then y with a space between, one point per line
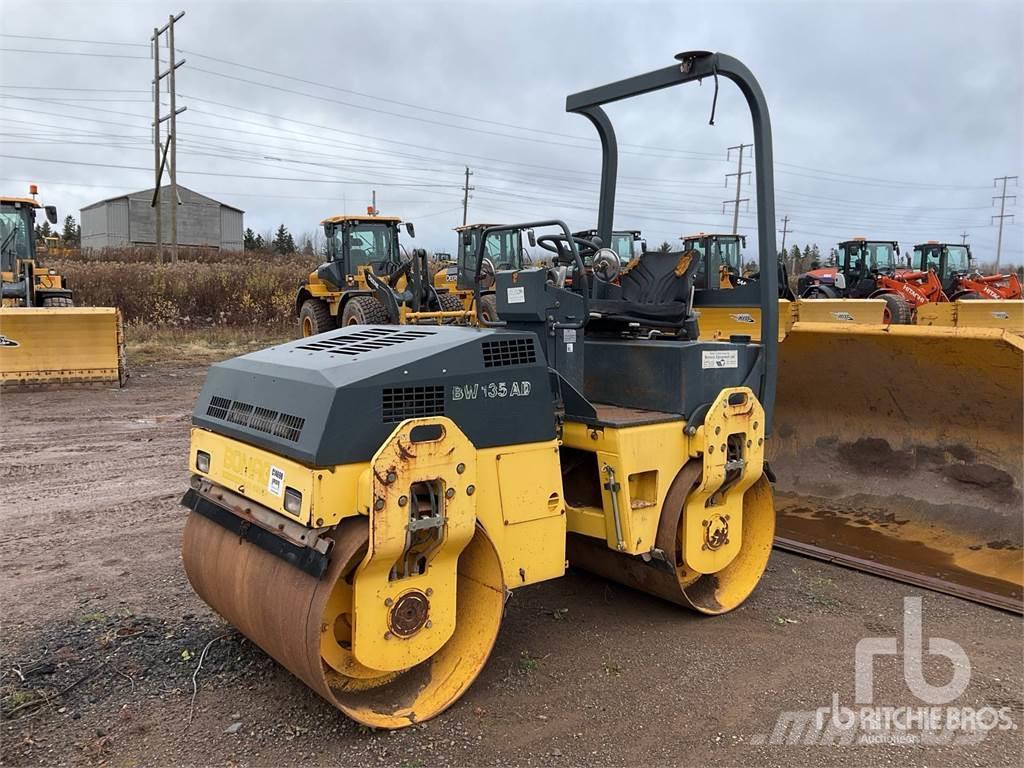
890 119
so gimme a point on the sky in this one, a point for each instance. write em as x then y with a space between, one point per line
890 120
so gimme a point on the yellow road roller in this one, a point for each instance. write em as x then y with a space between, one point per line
362 501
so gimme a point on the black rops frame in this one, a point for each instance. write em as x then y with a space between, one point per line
696 65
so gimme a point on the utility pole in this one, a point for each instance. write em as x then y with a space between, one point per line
963 238
157 170
466 189
171 148
785 229
1002 212
740 173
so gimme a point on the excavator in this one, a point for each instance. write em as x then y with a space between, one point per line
366 279
363 501
45 339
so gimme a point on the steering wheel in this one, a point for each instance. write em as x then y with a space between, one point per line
606 265
485 276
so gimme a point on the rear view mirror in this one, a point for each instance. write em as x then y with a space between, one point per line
410 228
51 214
643 246
532 237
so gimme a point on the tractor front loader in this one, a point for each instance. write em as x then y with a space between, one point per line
363 501
45 340
367 280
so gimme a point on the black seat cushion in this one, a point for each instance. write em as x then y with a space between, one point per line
654 290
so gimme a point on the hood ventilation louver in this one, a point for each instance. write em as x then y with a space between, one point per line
253 417
365 340
400 403
502 352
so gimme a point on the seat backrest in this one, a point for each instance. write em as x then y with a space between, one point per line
660 278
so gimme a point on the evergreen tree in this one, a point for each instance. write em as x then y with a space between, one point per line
794 257
665 247
72 233
260 243
249 240
283 241
307 247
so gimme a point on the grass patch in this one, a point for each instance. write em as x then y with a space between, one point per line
147 344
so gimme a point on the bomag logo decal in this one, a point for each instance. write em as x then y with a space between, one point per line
6 342
743 317
245 467
844 316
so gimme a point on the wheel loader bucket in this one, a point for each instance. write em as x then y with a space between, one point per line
898 450
41 346
1007 314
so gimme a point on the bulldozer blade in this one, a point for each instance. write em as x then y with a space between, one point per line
51 346
898 450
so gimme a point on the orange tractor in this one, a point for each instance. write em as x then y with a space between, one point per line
952 264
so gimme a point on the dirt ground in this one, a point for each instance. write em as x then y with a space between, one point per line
102 637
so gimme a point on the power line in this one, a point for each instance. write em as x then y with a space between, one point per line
75 53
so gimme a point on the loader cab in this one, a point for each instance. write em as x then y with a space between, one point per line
17 229
623 242
503 250
861 261
721 259
949 261
370 241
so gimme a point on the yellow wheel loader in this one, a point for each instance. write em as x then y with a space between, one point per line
44 338
363 501
366 280
503 250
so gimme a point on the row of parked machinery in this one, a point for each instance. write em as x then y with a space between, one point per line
368 279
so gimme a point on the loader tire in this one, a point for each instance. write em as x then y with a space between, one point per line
58 301
897 310
315 317
449 302
489 307
364 310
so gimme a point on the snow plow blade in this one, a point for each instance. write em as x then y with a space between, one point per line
898 450
56 346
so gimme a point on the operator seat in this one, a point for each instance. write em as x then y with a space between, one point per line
654 291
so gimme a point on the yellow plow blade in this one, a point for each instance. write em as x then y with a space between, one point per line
42 346
898 450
